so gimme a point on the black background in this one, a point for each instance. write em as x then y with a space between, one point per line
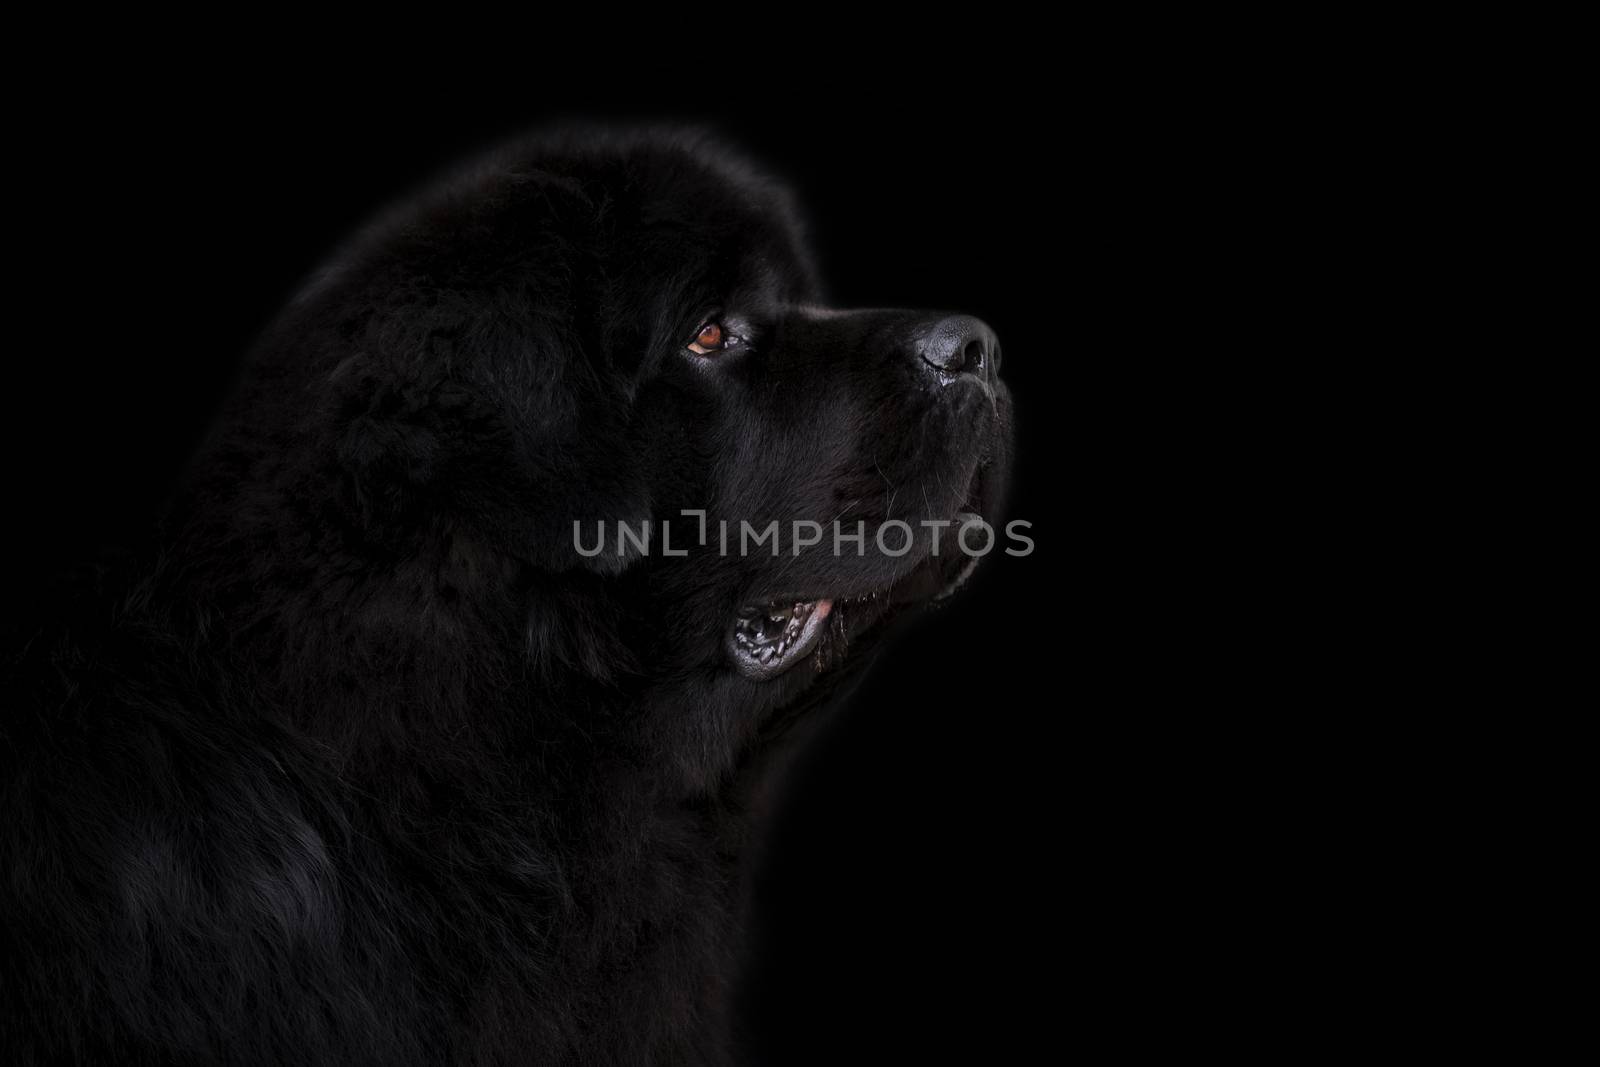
991 844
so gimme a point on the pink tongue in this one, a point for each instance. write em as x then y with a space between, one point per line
820 612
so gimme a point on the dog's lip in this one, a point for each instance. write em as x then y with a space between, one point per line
766 640
770 637
795 625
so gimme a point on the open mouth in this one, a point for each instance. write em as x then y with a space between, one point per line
771 638
768 639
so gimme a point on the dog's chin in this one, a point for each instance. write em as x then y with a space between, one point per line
767 640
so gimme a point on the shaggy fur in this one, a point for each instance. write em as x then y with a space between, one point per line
372 767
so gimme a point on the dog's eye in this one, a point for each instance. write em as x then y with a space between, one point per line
713 337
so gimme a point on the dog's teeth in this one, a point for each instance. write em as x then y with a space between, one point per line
766 654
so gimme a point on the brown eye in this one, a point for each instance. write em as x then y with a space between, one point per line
711 338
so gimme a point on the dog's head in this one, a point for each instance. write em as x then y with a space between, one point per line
604 362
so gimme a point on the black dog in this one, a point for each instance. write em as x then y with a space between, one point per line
539 526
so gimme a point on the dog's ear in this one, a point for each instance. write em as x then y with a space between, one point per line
580 478
532 472
387 452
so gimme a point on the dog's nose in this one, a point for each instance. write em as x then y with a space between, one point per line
961 344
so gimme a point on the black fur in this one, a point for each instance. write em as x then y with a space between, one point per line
371 766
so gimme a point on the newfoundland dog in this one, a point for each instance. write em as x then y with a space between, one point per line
539 527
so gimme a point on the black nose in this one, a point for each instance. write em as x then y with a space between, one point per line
961 344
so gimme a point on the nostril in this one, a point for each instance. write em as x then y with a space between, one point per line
973 356
956 345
